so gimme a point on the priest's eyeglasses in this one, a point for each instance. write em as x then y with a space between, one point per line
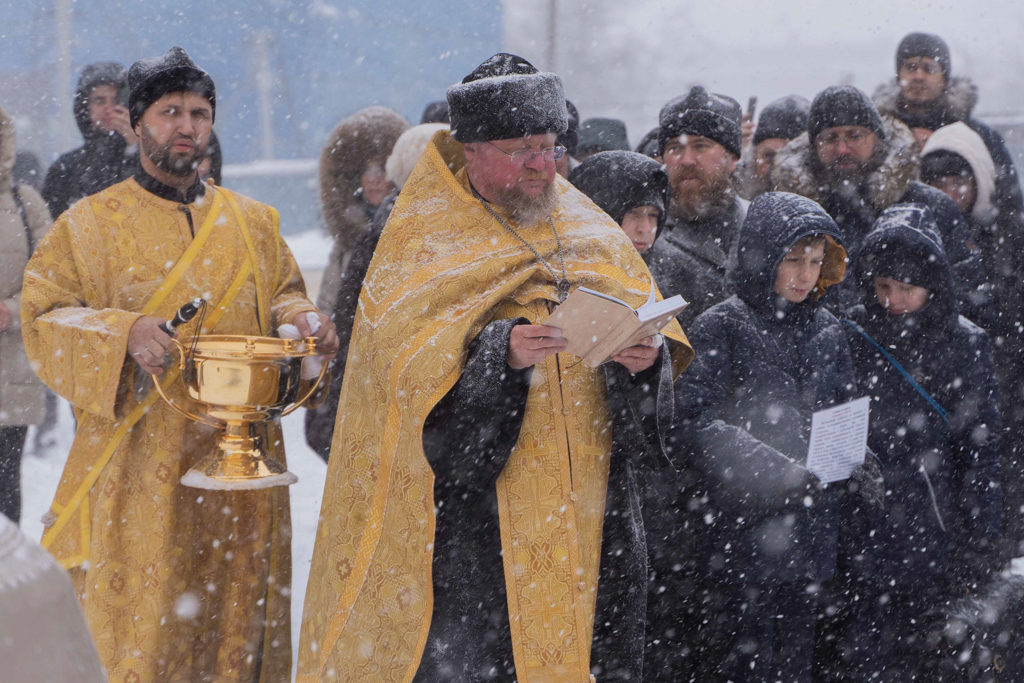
525 156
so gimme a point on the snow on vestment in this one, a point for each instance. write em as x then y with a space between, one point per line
175 582
443 269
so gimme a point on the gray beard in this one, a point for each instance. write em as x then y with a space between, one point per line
526 209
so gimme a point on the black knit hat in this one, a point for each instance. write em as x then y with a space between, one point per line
702 113
924 45
603 135
620 181
570 138
151 78
843 105
942 163
506 97
435 112
784 118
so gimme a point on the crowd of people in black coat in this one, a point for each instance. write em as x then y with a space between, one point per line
842 247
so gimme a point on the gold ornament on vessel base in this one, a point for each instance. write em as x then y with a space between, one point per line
238 381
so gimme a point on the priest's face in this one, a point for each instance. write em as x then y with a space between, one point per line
174 132
517 174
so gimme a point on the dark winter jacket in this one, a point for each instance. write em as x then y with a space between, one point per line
705 251
763 367
892 182
467 439
320 420
621 181
103 160
956 104
944 503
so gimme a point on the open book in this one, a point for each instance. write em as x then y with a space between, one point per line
598 326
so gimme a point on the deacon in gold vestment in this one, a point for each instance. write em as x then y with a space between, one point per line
481 518
177 584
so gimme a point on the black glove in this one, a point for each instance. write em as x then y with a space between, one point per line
868 480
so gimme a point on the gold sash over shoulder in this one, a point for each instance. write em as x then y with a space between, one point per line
444 269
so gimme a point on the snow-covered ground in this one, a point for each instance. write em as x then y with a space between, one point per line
40 473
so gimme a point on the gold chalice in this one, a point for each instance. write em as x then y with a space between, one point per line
238 381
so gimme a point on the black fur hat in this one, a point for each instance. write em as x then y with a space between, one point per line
506 97
151 78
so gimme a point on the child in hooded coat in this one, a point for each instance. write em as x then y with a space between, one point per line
767 359
940 532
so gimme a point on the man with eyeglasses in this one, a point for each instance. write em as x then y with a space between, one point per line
481 518
700 140
856 165
925 95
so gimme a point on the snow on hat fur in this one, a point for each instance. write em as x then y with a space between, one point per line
843 105
506 97
705 114
151 78
960 139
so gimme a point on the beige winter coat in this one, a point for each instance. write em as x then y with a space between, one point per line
21 393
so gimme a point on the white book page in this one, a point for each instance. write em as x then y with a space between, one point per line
839 439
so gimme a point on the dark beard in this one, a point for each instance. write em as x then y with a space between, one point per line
845 182
167 160
709 198
527 209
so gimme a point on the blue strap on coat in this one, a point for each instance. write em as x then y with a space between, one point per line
943 413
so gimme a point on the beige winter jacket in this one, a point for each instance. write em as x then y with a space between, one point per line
21 393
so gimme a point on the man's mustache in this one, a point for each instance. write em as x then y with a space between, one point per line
535 175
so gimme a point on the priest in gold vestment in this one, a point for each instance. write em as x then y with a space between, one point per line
481 519
177 584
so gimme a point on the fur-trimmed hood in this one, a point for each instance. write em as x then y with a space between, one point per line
794 169
956 104
368 134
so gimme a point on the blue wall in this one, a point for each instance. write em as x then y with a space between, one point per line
335 57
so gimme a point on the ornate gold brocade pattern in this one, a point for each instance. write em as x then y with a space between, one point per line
444 269
176 583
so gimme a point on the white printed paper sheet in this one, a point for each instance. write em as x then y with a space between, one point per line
839 439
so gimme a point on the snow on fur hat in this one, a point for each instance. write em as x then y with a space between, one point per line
408 149
843 105
784 118
506 97
151 78
619 181
960 139
924 45
702 113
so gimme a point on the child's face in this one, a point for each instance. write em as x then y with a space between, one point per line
799 271
641 226
899 297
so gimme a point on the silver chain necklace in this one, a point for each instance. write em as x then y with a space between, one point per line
562 284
